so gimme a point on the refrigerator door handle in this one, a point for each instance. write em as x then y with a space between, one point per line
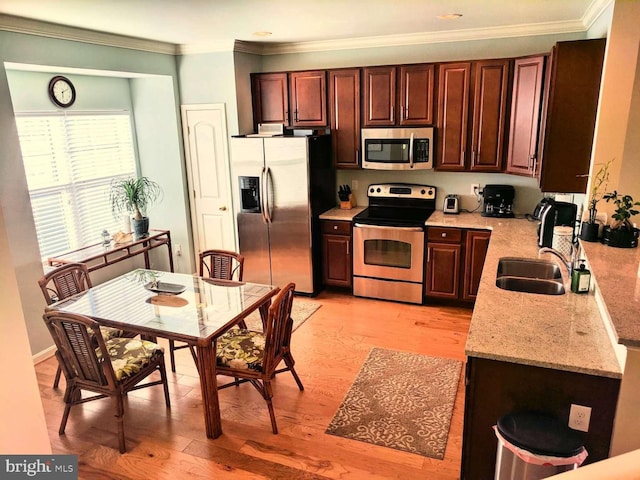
263 189
267 209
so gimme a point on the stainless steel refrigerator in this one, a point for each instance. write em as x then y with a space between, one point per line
280 187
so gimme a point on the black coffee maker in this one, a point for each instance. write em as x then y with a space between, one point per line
554 214
498 201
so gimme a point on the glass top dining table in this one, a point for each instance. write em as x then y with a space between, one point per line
179 307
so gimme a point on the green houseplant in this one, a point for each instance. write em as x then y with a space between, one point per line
620 232
589 229
135 196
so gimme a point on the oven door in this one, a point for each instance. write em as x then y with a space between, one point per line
389 253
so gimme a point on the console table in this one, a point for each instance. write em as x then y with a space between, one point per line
98 255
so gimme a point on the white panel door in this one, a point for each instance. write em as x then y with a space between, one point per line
206 150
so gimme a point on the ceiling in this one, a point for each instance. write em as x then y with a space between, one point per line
209 25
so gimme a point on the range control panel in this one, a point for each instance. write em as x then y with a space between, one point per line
401 190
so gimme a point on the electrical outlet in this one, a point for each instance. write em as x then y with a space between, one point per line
178 249
579 417
475 189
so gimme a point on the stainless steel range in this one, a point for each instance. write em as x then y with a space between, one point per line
388 242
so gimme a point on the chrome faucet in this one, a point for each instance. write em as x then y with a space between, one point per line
567 263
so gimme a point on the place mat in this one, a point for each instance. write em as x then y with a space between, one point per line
400 400
300 312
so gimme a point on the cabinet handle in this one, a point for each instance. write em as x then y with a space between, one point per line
392 114
348 248
356 157
335 227
428 254
582 175
444 234
403 112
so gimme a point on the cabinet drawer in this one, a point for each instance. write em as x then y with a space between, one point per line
447 235
336 227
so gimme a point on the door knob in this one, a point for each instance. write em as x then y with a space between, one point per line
223 208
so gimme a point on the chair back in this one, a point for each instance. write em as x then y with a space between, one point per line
65 281
278 328
76 338
221 265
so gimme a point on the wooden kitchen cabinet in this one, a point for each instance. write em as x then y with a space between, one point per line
308 98
270 96
344 117
444 257
497 388
336 253
379 96
490 96
472 102
416 94
569 115
453 115
476 245
526 106
455 258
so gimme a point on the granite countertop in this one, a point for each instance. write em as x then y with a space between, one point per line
617 273
563 332
340 214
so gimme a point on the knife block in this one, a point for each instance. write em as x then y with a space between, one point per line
348 204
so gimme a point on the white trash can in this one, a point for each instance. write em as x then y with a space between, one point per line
534 445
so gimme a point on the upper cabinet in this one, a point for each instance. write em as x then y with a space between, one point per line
472 105
526 105
570 115
296 99
398 95
270 93
308 99
344 116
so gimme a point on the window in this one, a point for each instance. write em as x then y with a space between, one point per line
70 161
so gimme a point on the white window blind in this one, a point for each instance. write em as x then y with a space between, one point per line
70 161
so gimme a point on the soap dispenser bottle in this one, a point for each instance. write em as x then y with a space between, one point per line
580 279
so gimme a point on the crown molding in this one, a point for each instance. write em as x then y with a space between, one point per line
550 28
594 11
28 26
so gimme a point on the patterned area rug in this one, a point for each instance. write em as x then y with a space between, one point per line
400 400
301 310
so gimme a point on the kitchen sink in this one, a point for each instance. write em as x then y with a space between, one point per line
531 285
528 268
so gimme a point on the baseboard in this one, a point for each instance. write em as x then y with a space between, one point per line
44 355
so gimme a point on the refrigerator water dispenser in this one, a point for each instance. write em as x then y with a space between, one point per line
249 194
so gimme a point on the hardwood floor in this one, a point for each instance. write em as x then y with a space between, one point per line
329 350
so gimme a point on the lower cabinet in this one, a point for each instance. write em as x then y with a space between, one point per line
496 388
455 258
336 253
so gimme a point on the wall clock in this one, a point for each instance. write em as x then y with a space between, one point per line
62 92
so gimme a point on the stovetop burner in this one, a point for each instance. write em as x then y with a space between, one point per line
398 204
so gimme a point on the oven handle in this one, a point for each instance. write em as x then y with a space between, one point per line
384 227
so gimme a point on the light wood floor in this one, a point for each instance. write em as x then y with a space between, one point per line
329 350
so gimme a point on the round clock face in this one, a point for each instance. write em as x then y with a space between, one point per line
62 91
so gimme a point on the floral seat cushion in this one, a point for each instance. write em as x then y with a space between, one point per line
109 333
130 355
241 349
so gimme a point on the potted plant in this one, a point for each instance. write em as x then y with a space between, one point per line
589 229
135 195
621 233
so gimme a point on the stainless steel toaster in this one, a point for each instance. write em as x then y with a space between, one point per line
451 204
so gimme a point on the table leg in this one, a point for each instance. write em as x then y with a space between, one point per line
208 383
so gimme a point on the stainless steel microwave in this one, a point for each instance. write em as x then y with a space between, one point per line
397 148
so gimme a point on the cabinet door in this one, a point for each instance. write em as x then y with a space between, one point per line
443 270
453 115
416 95
525 115
308 99
379 96
344 115
336 260
491 82
476 246
270 98
574 89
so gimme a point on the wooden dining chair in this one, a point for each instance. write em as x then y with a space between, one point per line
251 356
65 281
109 368
218 264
